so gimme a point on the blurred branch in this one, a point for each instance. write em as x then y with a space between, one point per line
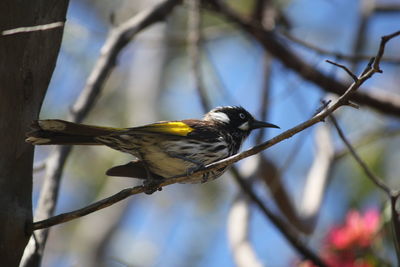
94 246
243 253
46 205
384 102
392 194
366 139
286 230
195 41
337 55
118 38
305 218
266 169
43 27
367 8
258 9
265 95
39 166
317 179
266 13
116 41
387 8
238 225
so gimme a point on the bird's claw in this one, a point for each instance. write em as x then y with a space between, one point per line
194 169
152 186
205 177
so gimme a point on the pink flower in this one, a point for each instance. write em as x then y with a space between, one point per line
357 231
348 245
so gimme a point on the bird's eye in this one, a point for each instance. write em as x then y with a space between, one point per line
242 116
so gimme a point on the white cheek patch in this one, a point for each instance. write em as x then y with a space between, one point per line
220 116
244 126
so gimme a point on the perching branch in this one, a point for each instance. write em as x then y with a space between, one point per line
101 204
374 68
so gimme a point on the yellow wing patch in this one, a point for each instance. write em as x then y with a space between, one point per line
172 127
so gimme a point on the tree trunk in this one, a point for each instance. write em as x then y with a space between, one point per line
27 62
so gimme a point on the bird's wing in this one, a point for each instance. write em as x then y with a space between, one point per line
193 129
134 169
175 128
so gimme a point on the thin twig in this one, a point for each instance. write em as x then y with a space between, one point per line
393 195
384 40
376 180
366 139
349 72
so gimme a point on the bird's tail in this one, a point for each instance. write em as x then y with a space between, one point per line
59 132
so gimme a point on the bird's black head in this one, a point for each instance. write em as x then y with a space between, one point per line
237 119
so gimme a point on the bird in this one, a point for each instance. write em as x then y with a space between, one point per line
164 149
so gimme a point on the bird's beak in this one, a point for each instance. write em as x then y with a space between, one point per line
260 124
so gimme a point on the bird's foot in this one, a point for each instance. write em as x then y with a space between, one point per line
205 177
194 169
152 186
